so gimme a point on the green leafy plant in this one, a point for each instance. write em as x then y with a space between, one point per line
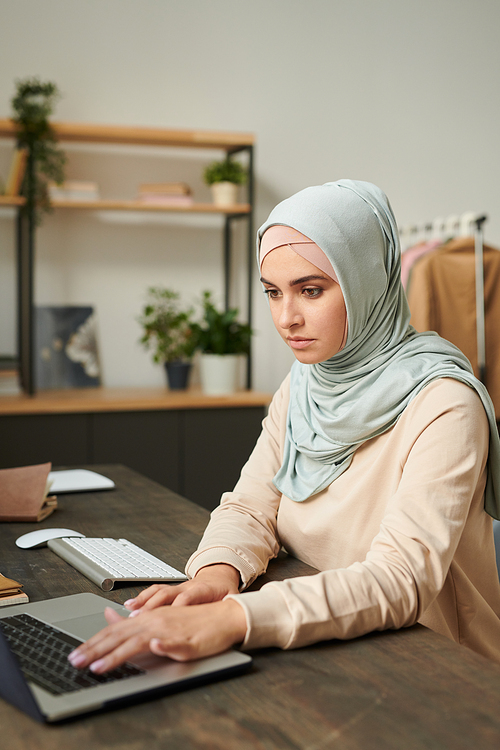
33 104
225 171
168 330
220 332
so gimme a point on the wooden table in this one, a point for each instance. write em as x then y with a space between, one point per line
404 690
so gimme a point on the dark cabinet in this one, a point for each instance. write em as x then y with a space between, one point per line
38 438
148 442
198 453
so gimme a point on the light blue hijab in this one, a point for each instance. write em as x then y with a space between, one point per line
359 393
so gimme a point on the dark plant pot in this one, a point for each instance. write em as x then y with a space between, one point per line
178 375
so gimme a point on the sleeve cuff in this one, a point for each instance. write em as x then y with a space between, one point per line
226 555
268 620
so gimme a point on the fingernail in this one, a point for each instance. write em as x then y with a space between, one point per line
128 602
76 659
135 613
96 666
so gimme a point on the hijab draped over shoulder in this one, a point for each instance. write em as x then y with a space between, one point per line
361 391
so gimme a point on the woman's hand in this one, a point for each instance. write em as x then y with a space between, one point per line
211 584
182 633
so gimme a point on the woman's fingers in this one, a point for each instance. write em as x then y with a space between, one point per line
118 653
154 596
211 584
112 615
107 640
183 595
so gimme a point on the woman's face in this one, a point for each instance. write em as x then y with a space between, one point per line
307 306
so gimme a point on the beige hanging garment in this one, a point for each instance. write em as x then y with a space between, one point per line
442 298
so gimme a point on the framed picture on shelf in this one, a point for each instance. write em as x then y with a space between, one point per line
66 351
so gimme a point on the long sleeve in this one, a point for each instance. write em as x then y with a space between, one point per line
435 457
242 531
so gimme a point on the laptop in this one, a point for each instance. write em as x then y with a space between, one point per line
79 617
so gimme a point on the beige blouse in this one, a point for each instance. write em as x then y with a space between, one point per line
400 537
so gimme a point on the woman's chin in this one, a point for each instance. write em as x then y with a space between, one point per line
310 357
307 358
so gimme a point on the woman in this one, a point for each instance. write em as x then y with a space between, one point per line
375 465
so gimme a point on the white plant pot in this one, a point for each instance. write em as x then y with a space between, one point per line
219 373
224 193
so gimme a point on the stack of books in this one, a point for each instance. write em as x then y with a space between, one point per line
165 194
73 190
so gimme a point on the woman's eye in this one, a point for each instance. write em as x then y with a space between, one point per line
312 291
272 293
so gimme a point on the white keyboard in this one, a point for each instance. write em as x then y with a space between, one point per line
106 561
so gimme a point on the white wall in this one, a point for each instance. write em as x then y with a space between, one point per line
403 93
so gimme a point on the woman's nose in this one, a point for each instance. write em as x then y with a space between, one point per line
290 314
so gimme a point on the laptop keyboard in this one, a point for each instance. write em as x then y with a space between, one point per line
42 652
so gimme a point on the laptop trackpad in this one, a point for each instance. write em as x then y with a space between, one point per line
83 626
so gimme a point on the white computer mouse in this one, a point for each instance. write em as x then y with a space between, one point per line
40 537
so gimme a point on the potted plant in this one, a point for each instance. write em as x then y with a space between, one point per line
222 340
170 332
224 178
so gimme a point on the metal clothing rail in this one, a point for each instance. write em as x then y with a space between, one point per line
480 316
464 225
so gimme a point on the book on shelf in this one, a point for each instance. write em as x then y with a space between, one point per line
16 173
165 194
165 188
74 190
11 592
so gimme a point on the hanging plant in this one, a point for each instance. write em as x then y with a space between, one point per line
33 104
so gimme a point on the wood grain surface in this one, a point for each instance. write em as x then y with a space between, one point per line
85 400
405 690
85 132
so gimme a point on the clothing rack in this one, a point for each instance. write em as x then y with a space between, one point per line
464 225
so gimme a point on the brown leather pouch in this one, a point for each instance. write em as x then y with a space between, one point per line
23 493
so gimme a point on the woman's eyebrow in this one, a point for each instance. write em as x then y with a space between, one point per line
302 280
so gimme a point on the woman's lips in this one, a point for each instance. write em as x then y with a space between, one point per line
299 343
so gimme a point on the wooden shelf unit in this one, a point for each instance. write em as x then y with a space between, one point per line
228 142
